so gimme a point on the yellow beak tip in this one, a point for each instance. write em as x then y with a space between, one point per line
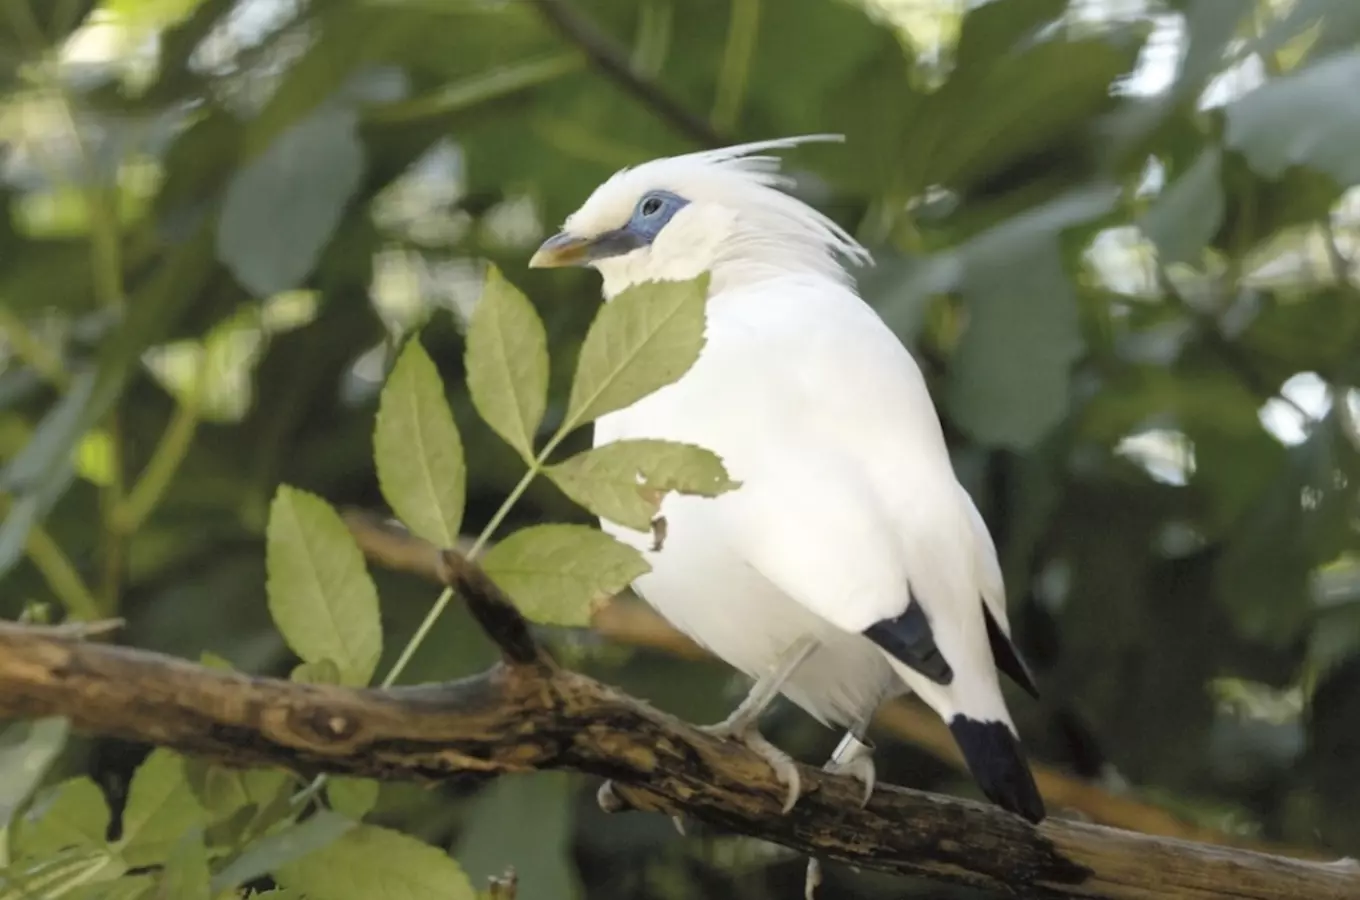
560 250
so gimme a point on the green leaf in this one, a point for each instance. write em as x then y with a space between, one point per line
1323 26
212 660
1210 25
71 814
644 339
1185 218
41 472
1021 100
186 874
371 862
282 848
1302 520
323 671
559 574
320 594
71 873
128 887
281 208
417 450
240 802
1008 380
507 363
625 481
27 750
161 807
1308 118
352 797
993 30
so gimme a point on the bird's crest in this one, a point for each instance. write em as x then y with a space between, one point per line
774 228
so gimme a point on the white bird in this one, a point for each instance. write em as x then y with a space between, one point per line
851 565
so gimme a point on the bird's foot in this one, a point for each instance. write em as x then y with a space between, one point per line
785 769
855 758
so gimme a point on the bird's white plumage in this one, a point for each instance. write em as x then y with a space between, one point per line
849 505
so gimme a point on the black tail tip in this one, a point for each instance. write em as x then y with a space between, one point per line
998 765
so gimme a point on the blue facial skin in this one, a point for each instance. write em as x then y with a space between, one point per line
653 211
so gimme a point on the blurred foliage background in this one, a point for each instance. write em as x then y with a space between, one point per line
1118 234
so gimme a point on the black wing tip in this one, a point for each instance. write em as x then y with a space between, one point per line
909 639
1007 657
998 765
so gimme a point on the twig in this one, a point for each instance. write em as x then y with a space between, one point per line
615 63
736 66
57 570
518 718
630 622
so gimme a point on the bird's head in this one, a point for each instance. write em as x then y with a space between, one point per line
718 211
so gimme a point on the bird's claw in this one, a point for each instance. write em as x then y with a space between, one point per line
609 799
855 758
859 766
813 878
785 769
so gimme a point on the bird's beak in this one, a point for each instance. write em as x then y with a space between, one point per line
561 250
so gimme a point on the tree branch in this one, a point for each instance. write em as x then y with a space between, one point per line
607 57
523 716
631 622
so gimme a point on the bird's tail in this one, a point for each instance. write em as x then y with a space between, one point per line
998 764
971 703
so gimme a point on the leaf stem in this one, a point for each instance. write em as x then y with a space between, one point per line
423 631
61 576
33 352
742 30
106 263
500 82
446 596
57 570
166 459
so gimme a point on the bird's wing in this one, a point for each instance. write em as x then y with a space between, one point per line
1007 656
850 505
849 500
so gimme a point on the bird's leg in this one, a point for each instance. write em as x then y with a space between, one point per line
742 724
763 692
853 756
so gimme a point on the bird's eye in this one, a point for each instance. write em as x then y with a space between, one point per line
651 206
